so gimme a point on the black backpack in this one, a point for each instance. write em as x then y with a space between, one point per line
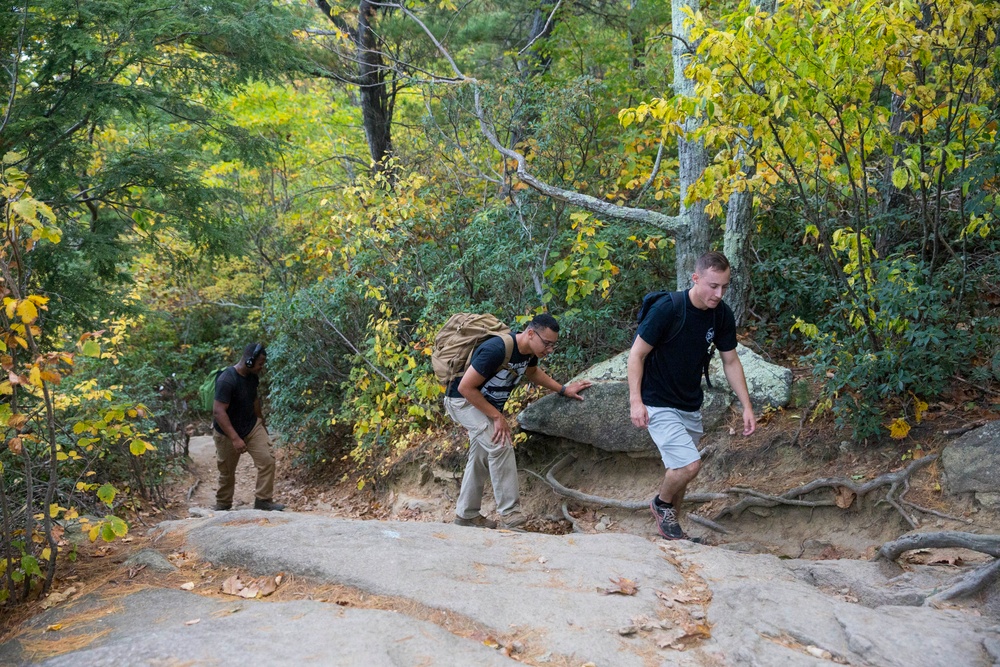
679 305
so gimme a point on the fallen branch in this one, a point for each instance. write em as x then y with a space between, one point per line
708 523
192 489
968 585
987 544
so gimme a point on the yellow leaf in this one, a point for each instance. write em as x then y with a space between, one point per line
919 408
27 310
899 429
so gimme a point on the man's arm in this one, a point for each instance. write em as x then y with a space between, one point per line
222 419
536 375
733 368
636 363
469 389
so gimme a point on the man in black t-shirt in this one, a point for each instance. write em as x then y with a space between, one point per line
664 380
476 400
238 426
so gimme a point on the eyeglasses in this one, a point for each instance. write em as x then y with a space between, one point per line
549 344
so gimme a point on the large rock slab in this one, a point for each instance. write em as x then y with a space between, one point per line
602 420
154 627
545 594
972 461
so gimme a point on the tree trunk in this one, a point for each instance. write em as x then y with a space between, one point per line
377 96
736 246
693 235
376 101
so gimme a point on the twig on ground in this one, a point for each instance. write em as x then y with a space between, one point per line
802 421
966 428
927 510
192 489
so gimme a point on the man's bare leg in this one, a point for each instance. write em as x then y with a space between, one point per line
675 482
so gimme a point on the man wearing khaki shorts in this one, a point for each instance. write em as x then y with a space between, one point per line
238 427
664 380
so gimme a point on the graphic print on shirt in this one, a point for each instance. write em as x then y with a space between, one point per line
710 335
498 388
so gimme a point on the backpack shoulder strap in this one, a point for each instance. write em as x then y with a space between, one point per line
677 301
508 349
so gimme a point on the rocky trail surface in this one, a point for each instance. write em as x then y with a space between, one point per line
310 587
356 592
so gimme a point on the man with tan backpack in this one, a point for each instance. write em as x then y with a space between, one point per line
481 362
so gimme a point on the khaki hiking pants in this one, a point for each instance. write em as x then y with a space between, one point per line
259 447
486 461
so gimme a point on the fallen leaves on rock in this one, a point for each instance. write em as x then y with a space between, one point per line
55 598
622 586
259 587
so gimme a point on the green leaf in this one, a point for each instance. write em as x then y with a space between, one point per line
900 177
107 494
119 527
30 566
91 349
107 533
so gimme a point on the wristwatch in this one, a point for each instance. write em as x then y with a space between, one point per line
562 390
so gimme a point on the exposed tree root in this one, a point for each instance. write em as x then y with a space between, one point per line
968 585
898 483
987 544
964 586
569 517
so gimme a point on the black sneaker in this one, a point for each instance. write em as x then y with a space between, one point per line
267 505
666 521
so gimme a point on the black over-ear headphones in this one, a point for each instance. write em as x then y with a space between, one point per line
252 359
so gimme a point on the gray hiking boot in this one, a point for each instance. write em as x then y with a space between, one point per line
513 521
479 521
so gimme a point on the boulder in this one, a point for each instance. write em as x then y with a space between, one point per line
769 384
602 419
972 462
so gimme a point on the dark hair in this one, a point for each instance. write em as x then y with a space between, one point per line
711 260
544 321
251 352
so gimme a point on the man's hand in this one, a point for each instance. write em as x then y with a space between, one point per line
501 431
239 445
573 390
639 414
749 421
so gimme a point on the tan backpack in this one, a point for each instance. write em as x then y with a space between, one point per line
459 338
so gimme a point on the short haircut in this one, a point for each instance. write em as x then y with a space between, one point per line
711 260
544 321
251 348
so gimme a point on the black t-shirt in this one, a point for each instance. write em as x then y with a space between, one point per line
671 376
487 360
240 393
